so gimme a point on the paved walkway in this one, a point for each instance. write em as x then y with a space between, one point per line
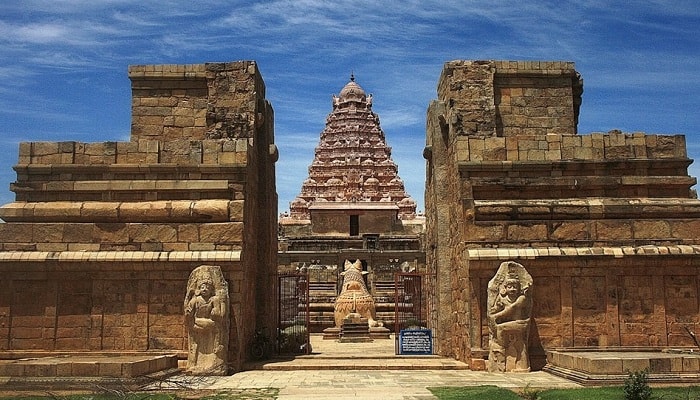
369 371
375 384
333 371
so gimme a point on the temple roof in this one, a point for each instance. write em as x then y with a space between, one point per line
352 162
352 91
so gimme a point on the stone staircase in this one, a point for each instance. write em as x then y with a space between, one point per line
379 354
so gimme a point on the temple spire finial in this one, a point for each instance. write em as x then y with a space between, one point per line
352 76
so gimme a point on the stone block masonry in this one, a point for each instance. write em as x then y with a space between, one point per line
102 237
606 223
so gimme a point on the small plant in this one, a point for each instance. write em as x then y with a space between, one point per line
637 386
529 393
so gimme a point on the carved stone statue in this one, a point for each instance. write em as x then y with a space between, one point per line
354 296
207 321
509 311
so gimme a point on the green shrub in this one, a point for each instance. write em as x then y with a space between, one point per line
637 386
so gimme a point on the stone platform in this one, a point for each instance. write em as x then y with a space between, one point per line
380 354
84 370
602 367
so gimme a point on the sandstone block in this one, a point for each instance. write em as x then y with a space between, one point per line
613 229
236 208
77 232
651 229
565 231
526 232
144 233
145 211
111 232
221 232
187 233
211 210
48 233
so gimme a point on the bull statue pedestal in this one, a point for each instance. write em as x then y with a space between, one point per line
355 304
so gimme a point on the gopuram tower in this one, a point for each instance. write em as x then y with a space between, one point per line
352 163
352 204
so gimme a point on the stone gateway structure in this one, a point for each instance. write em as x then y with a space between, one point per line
352 206
169 244
99 244
606 223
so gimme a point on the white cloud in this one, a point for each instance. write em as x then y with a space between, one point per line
53 52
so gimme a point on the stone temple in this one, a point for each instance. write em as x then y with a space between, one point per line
606 223
352 167
352 206
98 247
101 239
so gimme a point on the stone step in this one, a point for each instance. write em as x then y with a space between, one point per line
379 354
396 363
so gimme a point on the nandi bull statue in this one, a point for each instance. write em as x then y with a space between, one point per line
354 296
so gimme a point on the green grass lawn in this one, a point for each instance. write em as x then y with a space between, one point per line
601 393
476 392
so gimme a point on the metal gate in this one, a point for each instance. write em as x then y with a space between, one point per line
293 314
413 300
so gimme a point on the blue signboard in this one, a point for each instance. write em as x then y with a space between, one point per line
416 342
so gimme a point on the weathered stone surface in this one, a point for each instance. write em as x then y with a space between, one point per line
604 220
352 162
354 296
103 236
207 320
509 311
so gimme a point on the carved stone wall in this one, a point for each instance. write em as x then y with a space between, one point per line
352 164
353 205
605 222
104 235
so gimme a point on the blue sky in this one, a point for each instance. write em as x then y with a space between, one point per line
63 64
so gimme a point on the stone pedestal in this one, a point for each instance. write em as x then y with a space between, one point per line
354 329
379 332
331 333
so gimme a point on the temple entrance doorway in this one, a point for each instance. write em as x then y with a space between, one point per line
412 301
293 314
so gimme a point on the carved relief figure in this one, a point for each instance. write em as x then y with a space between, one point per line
207 321
354 296
509 311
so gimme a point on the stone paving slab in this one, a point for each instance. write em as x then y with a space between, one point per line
370 370
378 354
358 363
375 384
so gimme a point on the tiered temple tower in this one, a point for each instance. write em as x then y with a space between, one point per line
353 206
352 163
